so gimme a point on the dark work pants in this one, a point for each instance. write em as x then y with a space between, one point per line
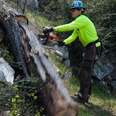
75 56
86 71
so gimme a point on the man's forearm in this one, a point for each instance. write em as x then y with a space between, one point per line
71 38
65 27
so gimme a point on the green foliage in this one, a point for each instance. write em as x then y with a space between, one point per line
39 21
53 9
6 94
26 100
103 14
5 53
21 98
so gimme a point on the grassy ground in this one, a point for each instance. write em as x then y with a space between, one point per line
102 104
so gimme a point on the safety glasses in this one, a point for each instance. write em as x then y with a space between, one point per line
74 9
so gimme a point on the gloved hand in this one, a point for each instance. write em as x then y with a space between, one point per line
47 30
61 43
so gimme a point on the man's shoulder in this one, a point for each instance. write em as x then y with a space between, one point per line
82 18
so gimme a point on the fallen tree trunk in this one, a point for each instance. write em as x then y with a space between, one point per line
26 48
61 101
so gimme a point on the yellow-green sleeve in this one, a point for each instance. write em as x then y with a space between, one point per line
66 27
76 24
71 38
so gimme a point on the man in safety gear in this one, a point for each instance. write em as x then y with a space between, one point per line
84 29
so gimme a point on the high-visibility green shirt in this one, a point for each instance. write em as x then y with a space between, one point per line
82 27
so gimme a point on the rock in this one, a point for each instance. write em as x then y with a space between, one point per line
6 72
2 77
102 69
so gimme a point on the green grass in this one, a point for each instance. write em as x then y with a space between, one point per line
39 20
102 104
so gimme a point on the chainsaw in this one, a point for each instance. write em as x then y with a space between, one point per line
44 38
53 38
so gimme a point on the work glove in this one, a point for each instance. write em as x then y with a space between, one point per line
61 43
47 30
